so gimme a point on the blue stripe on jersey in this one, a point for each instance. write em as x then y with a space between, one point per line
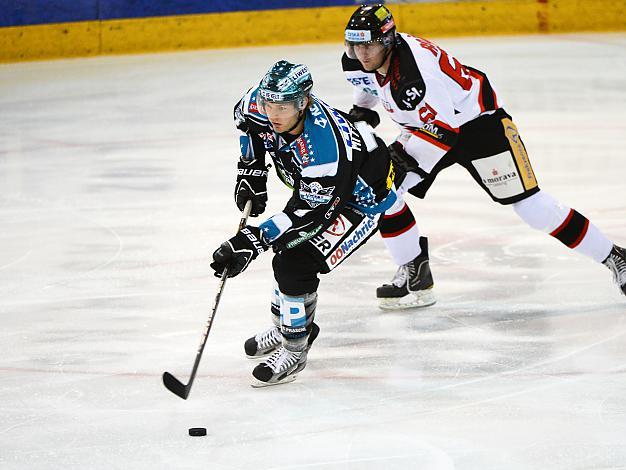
318 143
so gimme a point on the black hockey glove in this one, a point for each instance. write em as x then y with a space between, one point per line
237 252
251 184
358 113
402 160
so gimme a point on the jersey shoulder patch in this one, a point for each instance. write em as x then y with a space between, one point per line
408 88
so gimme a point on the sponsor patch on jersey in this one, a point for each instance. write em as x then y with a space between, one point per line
329 240
350 243
303 150
315 194
431 130
363 80
339 227
499 174
303 236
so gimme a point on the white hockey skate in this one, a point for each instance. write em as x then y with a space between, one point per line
616 262
281 367
267 341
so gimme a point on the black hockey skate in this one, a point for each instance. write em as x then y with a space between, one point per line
267 341
616 262
281 367
412 285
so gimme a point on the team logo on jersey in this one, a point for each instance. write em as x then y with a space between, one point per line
411 95
315 194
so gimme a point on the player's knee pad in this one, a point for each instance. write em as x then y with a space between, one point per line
296 271
296 318
541 211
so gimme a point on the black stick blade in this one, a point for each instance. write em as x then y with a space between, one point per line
175 386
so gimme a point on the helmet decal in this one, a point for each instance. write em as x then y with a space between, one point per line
371 23
286 82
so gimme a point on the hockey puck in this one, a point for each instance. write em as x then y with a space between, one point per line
197 431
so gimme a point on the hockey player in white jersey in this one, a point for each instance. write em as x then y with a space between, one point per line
448 114
341 177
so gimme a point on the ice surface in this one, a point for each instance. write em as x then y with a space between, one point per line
116 177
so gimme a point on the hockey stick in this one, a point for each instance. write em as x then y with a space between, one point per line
172 383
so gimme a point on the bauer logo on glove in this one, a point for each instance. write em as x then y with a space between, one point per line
236 253
251 185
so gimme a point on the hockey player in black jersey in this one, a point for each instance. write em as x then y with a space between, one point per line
342 181
450 113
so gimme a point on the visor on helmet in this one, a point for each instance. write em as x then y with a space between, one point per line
281 109
364 38
284 104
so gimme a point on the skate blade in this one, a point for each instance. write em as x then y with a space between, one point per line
258 384
419 299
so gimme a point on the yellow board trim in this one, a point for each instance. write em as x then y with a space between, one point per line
308 25
519 152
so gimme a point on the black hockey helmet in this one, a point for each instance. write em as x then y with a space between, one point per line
371 23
